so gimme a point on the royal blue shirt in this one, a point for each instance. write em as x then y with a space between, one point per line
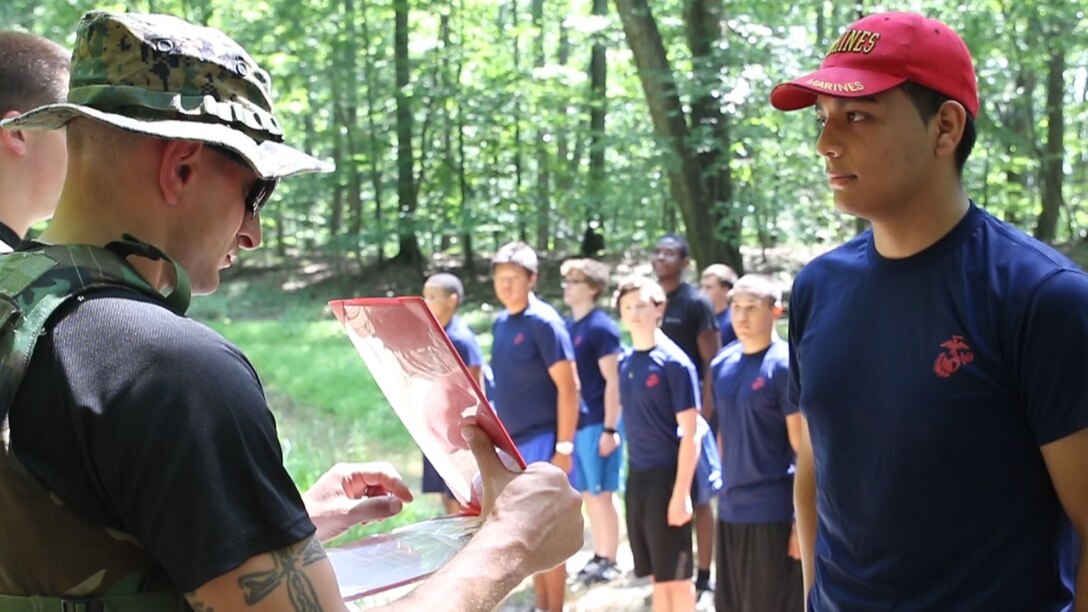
725 326
655 385
594 336
929 384
751 399
524 347
464 341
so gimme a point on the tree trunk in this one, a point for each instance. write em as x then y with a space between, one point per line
409 252
1046 228
375 136
543 177
721 235
469 264
686 185
592 238
518 157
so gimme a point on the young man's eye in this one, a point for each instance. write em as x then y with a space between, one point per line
854 116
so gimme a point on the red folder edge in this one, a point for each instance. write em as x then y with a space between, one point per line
485 416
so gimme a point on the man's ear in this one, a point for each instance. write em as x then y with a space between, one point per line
13 141
180 162
950 119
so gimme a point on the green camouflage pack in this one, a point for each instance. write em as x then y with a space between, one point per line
53 559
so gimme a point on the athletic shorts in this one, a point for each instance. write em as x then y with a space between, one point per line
755 572
707 482
658 549
539 446
593 473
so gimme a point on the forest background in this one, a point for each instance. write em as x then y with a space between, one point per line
577 126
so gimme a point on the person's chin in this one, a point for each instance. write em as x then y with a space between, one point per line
205 284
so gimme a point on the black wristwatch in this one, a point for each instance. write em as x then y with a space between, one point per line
609 430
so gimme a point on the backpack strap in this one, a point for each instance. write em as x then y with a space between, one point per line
34 283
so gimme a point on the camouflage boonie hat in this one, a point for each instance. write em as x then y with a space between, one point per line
161 76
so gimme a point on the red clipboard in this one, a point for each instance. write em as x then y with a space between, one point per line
432 392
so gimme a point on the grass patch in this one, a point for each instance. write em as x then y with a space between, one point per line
327 406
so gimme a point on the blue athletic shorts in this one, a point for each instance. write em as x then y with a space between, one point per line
593 473
536 447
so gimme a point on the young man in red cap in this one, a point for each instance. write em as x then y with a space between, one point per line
938 359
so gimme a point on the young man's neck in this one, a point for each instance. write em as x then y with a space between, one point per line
919 227
669 284
720 305
517 308
13 210
581 311
756 345
644 340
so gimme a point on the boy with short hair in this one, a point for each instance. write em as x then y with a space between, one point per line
33 71
715 283
536 384
660 395
689 321
758 433
444 294
598 457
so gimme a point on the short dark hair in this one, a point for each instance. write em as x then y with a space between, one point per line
33 71
448 283
681 243
927 102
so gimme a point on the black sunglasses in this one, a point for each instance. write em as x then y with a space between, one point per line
261 190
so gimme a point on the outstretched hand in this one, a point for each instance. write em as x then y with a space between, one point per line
353 493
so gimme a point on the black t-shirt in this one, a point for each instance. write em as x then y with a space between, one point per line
687 314
155 425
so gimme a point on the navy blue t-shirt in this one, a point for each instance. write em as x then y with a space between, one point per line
524 347
464 342
594 336
687 314
751 401
929 384
655 385
725 326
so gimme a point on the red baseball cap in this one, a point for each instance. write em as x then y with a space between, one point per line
883 51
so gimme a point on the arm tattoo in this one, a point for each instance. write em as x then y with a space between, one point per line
289 563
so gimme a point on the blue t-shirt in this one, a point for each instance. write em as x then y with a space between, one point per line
594 336
655 385
525 346
725 326
929 384
752 403
464 342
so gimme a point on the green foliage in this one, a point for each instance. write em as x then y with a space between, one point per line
501 113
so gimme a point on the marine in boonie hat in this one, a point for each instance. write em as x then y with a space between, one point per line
885 50
160 76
